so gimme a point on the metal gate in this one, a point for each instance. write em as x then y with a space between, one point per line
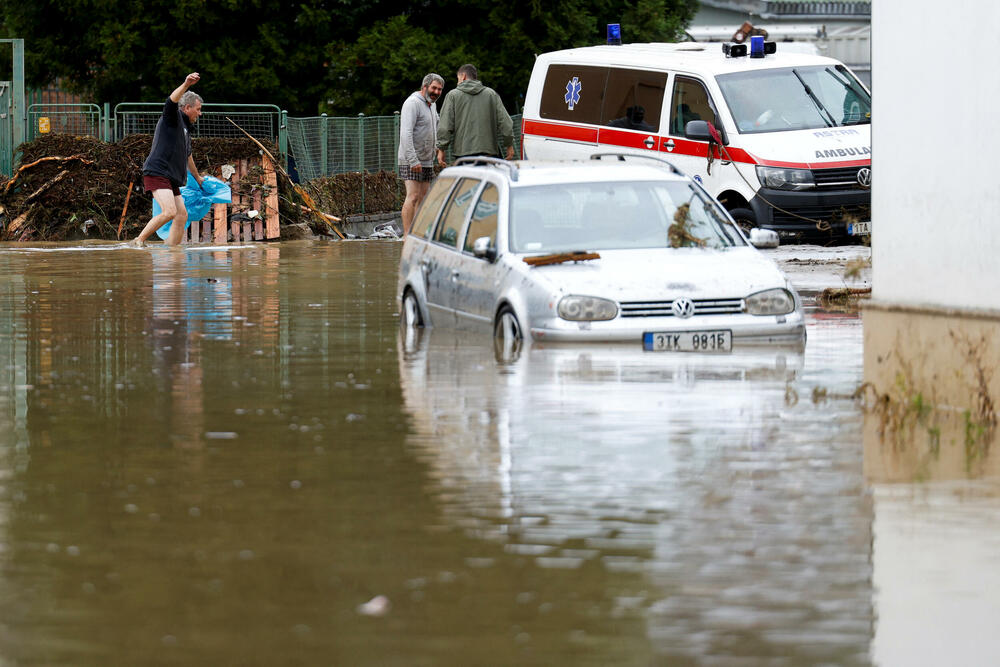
6 130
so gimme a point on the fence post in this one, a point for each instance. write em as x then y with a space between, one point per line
361 156
283 138
395 143
107 123
324 147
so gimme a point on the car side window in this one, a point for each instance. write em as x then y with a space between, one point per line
689 102
573 93
455 212
431 206
484 218
633 99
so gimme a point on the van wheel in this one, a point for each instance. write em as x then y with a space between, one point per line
411 311
745 219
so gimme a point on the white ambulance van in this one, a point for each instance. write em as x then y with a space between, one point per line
795 128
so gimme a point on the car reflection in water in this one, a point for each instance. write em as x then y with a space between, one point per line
678 467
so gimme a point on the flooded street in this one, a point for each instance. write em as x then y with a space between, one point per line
235 456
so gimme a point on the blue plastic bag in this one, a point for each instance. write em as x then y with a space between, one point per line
197 200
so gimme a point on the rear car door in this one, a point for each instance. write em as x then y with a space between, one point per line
442 253
475 280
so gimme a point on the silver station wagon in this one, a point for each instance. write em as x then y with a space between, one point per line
600 250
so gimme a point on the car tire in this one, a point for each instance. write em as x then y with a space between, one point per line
506 326
508 337
745 219
411 310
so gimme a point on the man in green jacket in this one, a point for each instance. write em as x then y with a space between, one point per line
473 120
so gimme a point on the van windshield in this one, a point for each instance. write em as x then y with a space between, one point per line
613 215
795 98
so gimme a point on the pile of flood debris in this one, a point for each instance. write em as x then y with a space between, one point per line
71 187
352 193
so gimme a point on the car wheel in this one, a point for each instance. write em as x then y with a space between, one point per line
507 336
411 310
506 327
745 219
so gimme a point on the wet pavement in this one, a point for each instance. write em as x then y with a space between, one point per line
235 456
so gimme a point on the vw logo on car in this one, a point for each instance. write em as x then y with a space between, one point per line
865 177
683 308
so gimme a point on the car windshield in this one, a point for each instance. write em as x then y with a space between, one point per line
606 216
795 98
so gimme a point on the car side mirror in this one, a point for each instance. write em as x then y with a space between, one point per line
483 249
763 238
701 130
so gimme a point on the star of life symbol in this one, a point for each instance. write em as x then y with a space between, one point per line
573 88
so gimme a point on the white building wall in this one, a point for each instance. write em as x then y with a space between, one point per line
935 153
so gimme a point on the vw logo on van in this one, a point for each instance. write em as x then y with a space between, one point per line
683 308
865 177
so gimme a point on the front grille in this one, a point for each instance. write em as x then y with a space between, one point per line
663 308
841 178
831 214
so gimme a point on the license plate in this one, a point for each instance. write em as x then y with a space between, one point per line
688 341
859 228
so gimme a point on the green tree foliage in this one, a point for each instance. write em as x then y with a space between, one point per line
340 57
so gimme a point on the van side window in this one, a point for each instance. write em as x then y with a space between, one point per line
689 102
573 93
430 207
455 212
633 99
484 218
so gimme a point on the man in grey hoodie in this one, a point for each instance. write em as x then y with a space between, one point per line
418 121
473 120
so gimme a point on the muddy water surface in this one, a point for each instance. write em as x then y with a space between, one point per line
233 456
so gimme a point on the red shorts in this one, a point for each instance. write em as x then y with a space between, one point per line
150 183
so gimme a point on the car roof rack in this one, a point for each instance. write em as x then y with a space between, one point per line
479 160
621 158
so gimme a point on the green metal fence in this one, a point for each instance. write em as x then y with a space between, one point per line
326 146
264 122
77 119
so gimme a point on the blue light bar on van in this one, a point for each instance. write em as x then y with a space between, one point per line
615 34
759 48
734 50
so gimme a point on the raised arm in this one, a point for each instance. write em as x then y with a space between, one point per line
189 81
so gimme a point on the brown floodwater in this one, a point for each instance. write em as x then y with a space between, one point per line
235 456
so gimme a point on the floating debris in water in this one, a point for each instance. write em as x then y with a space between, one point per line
377 606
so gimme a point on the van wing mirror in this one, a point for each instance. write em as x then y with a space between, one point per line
483 249
702 130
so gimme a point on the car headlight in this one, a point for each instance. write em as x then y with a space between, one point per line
586 308
779 178
776 301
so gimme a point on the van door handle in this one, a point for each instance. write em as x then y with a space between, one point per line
649 142
454 276
669 144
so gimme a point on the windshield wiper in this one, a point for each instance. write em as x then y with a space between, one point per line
827 116
851 86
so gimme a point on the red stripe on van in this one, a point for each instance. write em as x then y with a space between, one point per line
625 139
559 131
613 137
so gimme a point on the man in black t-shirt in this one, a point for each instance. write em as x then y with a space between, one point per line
165 170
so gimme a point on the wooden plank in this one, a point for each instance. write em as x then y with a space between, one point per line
241 172
258 222
206 228
219 212
247 231
194 231
271 204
